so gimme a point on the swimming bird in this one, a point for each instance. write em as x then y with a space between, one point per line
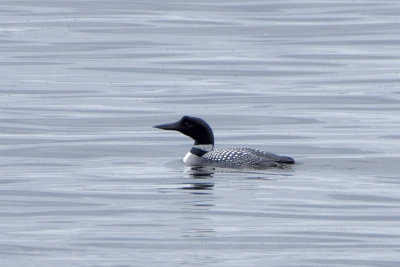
203 153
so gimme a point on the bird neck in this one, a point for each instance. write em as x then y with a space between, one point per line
200 150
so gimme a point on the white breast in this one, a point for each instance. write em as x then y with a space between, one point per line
190 159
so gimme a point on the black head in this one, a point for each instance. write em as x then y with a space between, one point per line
193 127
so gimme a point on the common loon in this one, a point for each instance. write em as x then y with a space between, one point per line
203 153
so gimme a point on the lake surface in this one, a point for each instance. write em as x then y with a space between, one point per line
85 180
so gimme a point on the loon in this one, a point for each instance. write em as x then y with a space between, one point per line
203 154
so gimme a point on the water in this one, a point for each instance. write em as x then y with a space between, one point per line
86 181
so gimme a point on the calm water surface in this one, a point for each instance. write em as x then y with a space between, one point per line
86 181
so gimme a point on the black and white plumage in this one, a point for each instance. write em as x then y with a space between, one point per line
204 154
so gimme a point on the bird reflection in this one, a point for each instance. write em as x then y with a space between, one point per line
200 172
202 176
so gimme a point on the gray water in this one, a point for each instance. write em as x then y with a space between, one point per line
86 181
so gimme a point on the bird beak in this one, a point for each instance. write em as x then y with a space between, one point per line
169 126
